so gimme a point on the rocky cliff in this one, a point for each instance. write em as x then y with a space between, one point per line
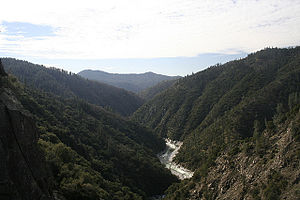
264 167
242 173
23 173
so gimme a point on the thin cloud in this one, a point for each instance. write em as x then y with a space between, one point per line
147 29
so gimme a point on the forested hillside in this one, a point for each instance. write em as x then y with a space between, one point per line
239 124
149 93
265 166
211 111
93 153
131 82
70 85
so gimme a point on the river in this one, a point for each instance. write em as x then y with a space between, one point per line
166 157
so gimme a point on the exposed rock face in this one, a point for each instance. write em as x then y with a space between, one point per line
249 176
23 174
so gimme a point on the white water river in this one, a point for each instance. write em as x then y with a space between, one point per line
166 157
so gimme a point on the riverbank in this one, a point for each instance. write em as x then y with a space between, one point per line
166 157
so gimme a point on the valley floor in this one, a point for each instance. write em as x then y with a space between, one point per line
166 157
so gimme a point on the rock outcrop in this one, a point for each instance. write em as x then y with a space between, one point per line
275 174
23 173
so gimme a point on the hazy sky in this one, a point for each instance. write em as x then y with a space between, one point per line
164 36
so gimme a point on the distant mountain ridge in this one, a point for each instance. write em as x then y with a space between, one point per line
69 85
131 82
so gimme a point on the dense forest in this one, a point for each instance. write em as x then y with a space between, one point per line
70 85
239 123
91 152
149 93
265 166
131 82
213 110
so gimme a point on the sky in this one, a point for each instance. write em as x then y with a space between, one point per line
174 37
